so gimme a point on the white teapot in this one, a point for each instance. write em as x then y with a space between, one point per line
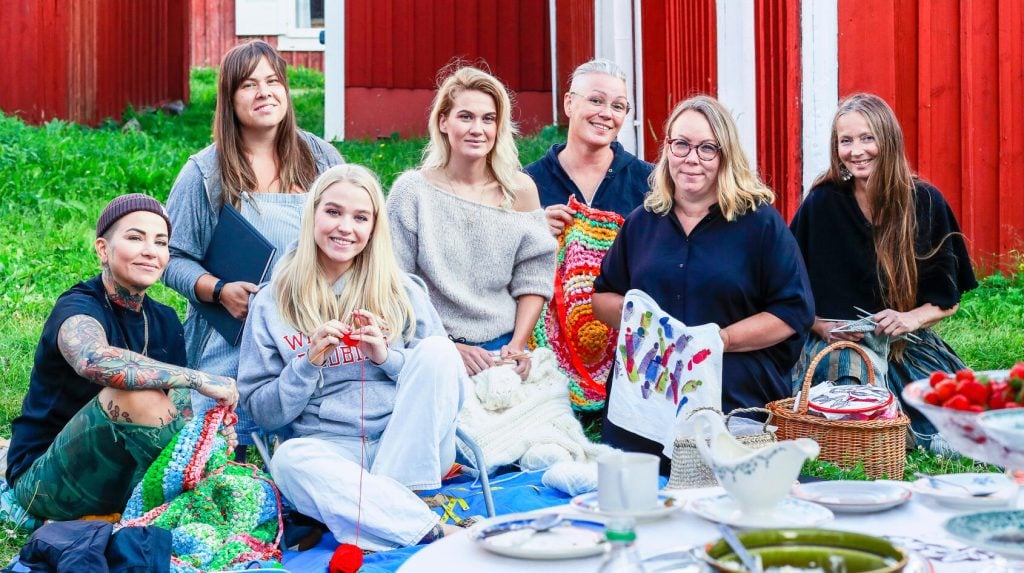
757 478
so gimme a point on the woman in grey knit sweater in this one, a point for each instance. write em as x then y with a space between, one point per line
469 223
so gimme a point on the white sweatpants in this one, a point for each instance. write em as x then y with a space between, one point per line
320 474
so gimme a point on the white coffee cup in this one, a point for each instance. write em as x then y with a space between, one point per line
627 481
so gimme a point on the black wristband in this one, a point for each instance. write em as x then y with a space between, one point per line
216 290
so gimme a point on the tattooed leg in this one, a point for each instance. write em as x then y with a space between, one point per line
142 407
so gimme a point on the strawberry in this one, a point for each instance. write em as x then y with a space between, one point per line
933 398
957 402
973 390
1012 405
937 377
964 374
976 408
945 389
1017 371
997 401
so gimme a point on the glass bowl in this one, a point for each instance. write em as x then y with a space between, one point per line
964 430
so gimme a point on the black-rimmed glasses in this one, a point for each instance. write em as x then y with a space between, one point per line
598 102
681 148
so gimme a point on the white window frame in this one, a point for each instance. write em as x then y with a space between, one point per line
294 39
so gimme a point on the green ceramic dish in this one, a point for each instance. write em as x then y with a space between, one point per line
811 549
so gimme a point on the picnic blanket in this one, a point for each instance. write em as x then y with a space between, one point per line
583 345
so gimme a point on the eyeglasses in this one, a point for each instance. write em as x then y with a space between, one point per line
597 102
681 148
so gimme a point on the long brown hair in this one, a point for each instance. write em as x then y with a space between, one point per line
295 162
891 195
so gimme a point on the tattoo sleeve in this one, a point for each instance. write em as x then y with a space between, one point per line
83 343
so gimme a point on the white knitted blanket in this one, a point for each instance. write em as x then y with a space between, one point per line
530 422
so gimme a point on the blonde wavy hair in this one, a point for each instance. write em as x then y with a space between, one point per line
503 160
739 188
304 296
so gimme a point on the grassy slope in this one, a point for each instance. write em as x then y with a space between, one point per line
55 179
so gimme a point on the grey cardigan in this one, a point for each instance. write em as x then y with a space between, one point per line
193 206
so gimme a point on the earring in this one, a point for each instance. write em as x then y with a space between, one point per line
845 173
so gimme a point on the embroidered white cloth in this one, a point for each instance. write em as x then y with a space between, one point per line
663 371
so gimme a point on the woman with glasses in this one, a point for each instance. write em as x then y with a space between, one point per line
591 165
880 243
708 247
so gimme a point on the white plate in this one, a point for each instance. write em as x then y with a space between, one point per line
667 504
952 496
791 512
1001 532
575 537
852 496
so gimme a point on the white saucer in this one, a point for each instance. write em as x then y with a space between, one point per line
952 496
574 537
791 512
852 496
667 503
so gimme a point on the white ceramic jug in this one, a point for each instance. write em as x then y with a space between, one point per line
758 479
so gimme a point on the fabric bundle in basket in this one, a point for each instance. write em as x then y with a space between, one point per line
880 444
583 345
689 469
221 515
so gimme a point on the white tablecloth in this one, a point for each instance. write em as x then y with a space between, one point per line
919 518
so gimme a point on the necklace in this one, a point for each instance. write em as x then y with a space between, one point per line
471 218
145 326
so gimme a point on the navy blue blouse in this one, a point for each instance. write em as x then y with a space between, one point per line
723 272
622 189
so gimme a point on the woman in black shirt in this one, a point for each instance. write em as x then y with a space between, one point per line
875 237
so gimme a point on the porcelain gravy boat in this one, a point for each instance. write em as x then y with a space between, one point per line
757 478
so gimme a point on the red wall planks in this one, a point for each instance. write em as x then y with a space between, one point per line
574 43
395 49
954 74
85 61
680 60
779 120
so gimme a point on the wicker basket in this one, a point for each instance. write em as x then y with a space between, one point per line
880 444
689 469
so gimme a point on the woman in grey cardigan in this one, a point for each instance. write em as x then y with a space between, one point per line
469 223
261 164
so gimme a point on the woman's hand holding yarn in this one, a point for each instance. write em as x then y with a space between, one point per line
557 217
475 358
329 334
521 357
370 333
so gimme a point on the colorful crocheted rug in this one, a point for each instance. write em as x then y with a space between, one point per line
221 515
583 345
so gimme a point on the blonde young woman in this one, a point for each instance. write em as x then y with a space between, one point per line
708 247
260 163
876 237
469 222
345 352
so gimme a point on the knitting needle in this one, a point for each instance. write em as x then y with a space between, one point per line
867 315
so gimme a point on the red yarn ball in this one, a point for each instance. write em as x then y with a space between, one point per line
348 340
347 558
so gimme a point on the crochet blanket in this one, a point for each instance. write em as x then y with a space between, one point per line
221 515
583 345
527 422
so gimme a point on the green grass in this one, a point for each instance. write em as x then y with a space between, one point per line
55 179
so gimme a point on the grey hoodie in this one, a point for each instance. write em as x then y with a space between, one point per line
281 389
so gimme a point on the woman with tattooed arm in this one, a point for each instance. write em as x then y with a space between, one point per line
97 411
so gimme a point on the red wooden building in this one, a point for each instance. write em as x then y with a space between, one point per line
87 60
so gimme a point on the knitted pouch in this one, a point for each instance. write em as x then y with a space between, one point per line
688 467
221 515
583 345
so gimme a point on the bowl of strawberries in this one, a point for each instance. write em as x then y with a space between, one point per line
959 403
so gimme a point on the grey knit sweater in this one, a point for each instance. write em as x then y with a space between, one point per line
475 259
